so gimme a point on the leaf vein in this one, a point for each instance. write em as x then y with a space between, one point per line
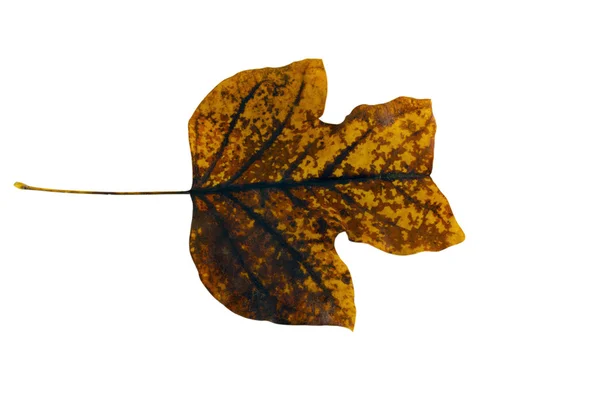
271 140
295 254
236 249
232 125
345 153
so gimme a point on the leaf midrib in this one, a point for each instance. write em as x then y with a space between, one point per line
321 181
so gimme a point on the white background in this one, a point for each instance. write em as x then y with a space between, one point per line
99 295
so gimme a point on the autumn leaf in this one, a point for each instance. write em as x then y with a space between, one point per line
273 186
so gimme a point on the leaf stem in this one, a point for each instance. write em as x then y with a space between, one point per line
22 186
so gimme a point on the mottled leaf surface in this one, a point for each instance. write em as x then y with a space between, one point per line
273 186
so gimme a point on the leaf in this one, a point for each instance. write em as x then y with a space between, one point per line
273 186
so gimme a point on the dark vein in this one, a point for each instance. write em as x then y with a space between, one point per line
295 200
236 250
271 140
300 158
263 197
232 124
344 154
322 182
306 151
295 254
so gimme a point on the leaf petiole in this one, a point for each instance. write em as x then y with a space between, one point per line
23 186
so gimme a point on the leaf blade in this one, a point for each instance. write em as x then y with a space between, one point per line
276 185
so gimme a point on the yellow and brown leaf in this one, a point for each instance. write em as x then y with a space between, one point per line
273 186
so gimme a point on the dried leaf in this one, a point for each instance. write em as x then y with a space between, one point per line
273 186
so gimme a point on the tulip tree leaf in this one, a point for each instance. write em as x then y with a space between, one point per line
273 186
